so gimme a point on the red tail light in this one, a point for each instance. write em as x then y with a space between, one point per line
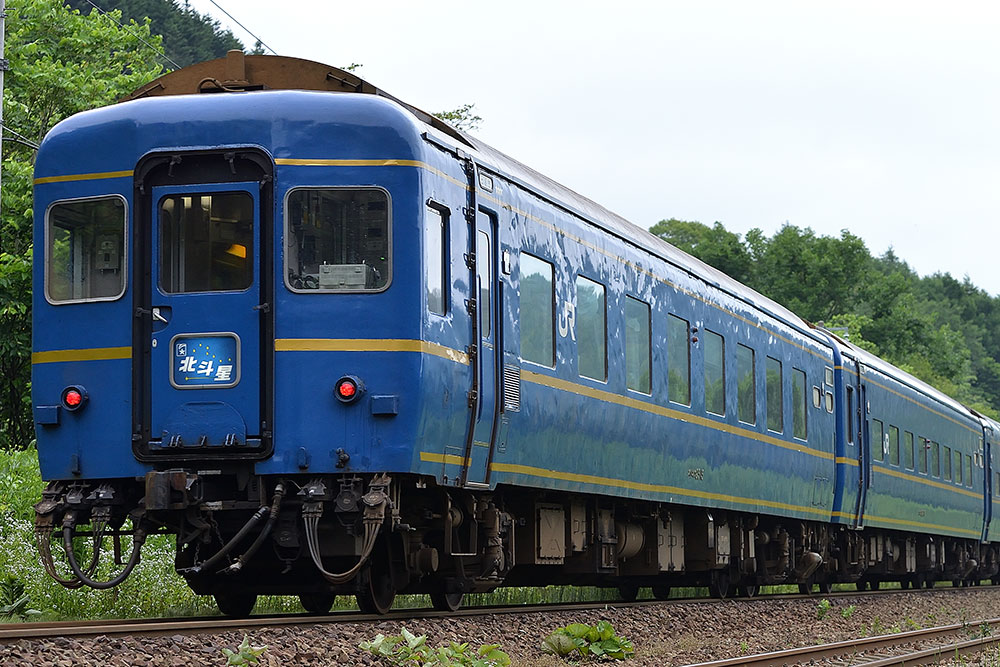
348 389
74 398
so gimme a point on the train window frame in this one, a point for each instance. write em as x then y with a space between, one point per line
751 392
800 400
923 466
443 214
968 470
774 402
551 361
648 391
893 445
604 327
957 468
909 455
288 236
721 378
123 270
946 460
681 382
817 395
828 375
878 453
935 468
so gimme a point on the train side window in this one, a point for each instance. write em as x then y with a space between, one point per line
907 450
946 459
799 403
922 454
850 415
772 381
591 329
537 299
817 397
878 442
337 240
678 360
85 250
893 445
968 471
746 390
715 373
435 258
637 344
935 459
958 467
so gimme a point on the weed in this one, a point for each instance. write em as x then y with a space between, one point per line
409 649
876 627
910 624
588 640
14 601
823 608
744 647
245 654
847 612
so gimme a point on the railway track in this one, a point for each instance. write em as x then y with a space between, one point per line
204 624
928 646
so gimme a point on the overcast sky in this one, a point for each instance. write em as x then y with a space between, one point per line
880 117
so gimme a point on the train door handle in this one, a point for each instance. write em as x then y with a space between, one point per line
158 316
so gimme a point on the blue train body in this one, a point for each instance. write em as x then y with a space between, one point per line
427 365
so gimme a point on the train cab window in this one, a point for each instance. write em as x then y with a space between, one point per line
206 242
772 381
799 403
678 360
536 309
946 459
591 329
958 467
337 240
85 250
435 258
877 442
746 390
907 450
850 415
715 373
935 459
893 445
968 471
637 342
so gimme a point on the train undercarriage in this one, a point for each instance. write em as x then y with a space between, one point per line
374 537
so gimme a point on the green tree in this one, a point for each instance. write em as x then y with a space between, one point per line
60 63
188 37
713 245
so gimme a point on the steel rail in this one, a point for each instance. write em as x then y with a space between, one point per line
203 624
852 651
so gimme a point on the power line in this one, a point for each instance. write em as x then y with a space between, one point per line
21 139
123 27
242 26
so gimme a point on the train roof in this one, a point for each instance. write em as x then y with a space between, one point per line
239 72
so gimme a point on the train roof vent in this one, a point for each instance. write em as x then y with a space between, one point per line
238 72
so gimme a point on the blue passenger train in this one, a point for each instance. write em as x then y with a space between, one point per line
336 346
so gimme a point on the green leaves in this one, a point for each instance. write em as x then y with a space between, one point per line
598 641
245 654
409 649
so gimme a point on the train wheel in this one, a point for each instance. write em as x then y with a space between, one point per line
317 603
748 590
628 592
443 601
825 586
929 583
918 581
377 593
719 584
238 604
661 591
861 584
805 589
904 584
874 584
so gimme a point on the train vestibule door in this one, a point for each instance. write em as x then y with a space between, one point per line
483 404
204 370
989 532
864 449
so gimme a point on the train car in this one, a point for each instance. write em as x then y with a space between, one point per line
336 346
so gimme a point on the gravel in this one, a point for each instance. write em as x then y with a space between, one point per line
663 634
